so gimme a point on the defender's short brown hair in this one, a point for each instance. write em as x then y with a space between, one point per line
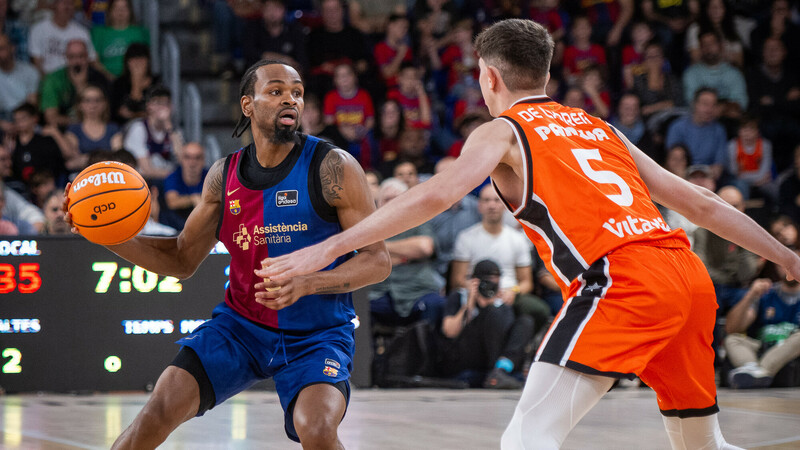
520 49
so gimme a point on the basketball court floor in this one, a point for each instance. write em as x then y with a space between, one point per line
391 419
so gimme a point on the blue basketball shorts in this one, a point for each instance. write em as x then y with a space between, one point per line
236 353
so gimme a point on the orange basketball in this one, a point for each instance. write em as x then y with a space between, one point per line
109 202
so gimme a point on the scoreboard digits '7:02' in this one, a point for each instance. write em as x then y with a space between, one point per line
75 309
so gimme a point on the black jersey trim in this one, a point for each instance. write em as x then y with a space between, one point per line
534 101
560 340
222 194
324 210
691 412
267 177
525 149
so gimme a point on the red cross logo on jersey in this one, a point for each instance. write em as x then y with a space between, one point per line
242 238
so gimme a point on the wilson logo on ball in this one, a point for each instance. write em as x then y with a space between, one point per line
100 178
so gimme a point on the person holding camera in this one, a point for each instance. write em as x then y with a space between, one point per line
481 333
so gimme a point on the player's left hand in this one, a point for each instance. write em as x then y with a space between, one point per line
277 295
301 262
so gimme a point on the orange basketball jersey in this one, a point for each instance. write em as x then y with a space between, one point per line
583 193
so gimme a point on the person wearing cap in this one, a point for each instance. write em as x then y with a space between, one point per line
482 340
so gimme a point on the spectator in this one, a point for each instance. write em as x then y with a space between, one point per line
608 19
154 141
789 191
750 159
312 120
465 125
574 98
633 54
700 175
468 101
596 98
670 19
19 82
335 42
731 267
61 87
715 16
784 229
460 58
26 217
655 85
128 91
414 147
227 25
481 334
184 186
412 97
154 227
549 15
393 50
763 332
32 151
374 181
349 108
271 37
40 185
678 160
411 292
778 25
701 133
406 172
391 124
93 131
448 224
629 121
438 14
112 41
15 28
369 17
774 90
54 224
711 71
491 238
581 53
7 227
48 39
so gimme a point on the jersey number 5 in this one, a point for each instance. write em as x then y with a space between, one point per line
625 197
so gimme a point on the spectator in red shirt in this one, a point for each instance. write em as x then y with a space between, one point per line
582 52
411 95
633 53
465 126
460 57
595 92
350 109
394 50
547 13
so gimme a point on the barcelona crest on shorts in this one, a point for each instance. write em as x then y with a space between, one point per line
330 371
234 207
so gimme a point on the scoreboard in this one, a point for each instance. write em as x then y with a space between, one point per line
76 317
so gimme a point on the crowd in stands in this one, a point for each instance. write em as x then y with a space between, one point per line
708 88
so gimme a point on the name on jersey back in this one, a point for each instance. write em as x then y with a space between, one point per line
570 121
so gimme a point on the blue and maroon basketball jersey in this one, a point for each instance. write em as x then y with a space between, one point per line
279 213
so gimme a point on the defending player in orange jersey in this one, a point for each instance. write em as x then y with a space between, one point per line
638 301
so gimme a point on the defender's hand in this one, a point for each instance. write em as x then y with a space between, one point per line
277 295
301 262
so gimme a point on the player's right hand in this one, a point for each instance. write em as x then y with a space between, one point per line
65 209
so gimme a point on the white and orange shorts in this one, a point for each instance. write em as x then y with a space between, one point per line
646 310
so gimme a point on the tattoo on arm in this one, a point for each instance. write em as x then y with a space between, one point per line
331 174
333 289
214 181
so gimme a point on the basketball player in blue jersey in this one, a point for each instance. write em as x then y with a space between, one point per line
281 193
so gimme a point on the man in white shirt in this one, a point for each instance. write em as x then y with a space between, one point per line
153 140
492 239
19 82
48 38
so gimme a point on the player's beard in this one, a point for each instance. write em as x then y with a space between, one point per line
284 134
